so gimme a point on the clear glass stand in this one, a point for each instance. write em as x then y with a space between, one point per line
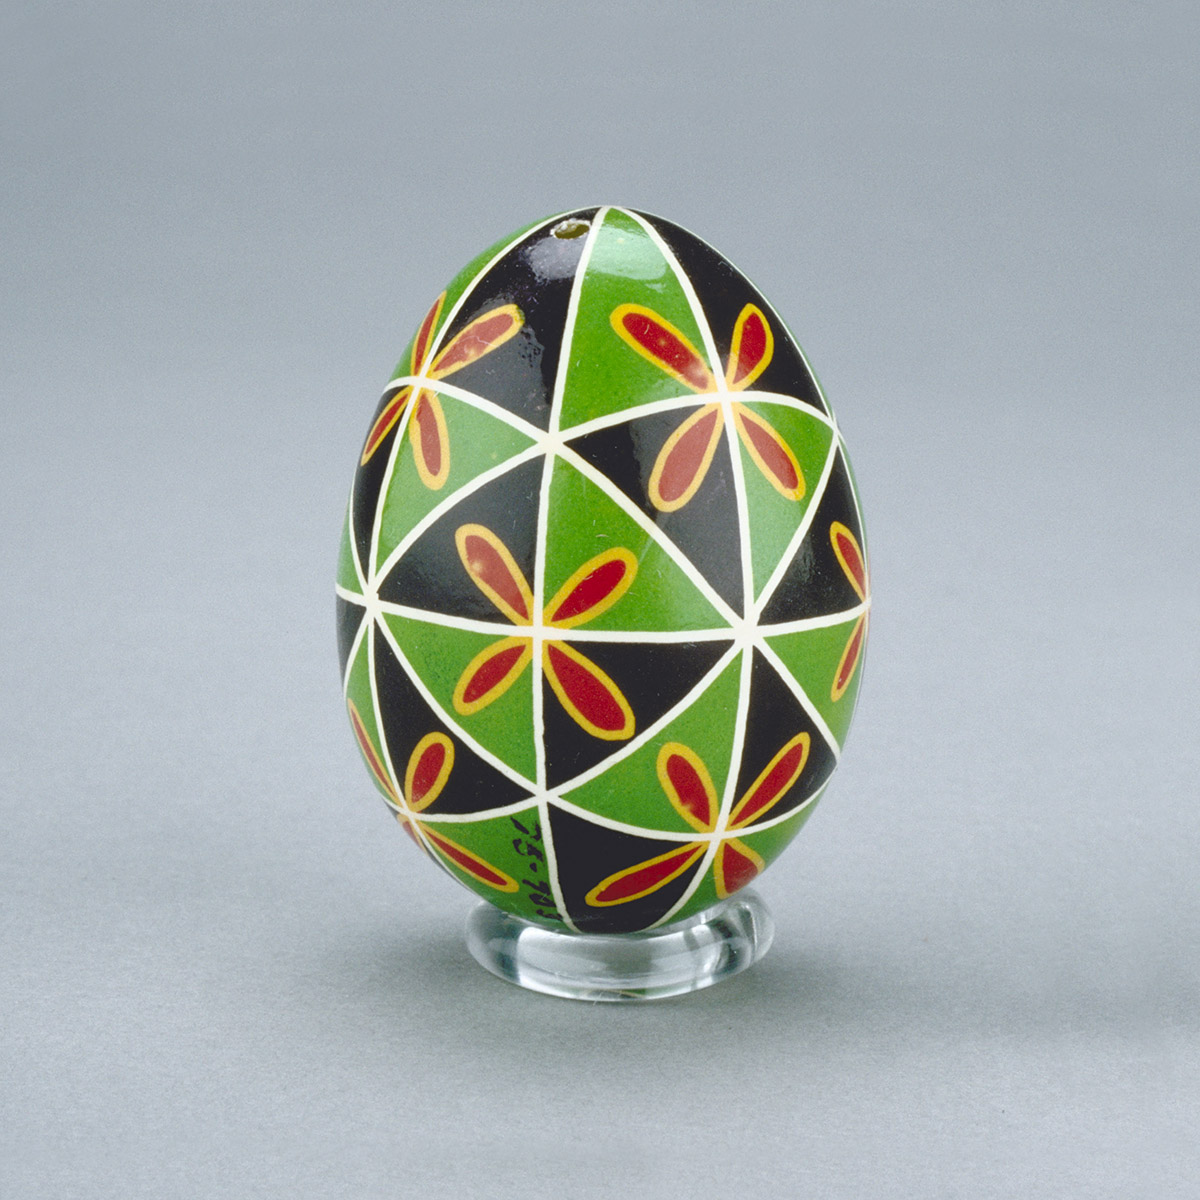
684 957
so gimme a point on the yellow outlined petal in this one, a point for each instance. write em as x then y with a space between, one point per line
770 452
593 589
470 862
392 411
684 459
731 876
848 663
430 441
752 348
592 699
494 572
491 673
424 338
645 877
374 762
659 342
849 554
674 761
772 784
493 328
433 753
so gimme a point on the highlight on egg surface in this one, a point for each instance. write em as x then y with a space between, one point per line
602 598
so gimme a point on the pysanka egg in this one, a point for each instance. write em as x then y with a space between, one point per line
602 595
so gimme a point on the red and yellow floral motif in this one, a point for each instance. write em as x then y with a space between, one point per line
685 457
592 699
849 554
429 767
689 787
431 446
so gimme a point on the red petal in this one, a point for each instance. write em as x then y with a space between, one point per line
494 572
688 785
491 673
849 661
475 866
850 555
770 452
384 422
593 589
752 348
424 336
428 769
734 867
684 459
779 775
368 751
656 339
587 693
431 443
480 337
635 882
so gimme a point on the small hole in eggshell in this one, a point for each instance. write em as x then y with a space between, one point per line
572 227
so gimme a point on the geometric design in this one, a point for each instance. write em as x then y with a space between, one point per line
602 593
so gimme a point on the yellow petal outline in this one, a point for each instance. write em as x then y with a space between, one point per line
456 854
617 553
516 319
414 759
617 320
668 448
593 897
468 707
424 338
735 349
608 735
835 692
374 762
736 821
742 417
392 412
836 530
719 863
673 749
510 564
431 479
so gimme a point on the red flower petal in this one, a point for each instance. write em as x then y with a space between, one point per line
734 866
688 785
494 572
770 452
770 787
368 751
849 660
684 459
480 337
656 339
431 443
849 554
420 350
752 348
593 589
391 413
491 673
428 769
587 693
470 862
635 882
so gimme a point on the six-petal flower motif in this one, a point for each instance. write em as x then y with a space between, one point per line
686 455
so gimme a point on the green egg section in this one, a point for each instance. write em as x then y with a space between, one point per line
661 597
512 845
439 655
606 374
477 443
813 657
768 845
773 517
630 790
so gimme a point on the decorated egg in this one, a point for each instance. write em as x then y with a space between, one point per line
602 597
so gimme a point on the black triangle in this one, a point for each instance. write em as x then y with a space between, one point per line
723 291
431 575
536 275
473 784
368 480
586 854
653 677
814 583
706 528
349 618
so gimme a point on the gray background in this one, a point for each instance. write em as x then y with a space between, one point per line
224 972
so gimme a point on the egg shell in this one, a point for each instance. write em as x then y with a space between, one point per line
602 593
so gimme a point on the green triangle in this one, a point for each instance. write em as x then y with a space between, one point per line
774 518
439 654
605 374
630 790
347 576
358 693
478 442
812 657
583 522
454 290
